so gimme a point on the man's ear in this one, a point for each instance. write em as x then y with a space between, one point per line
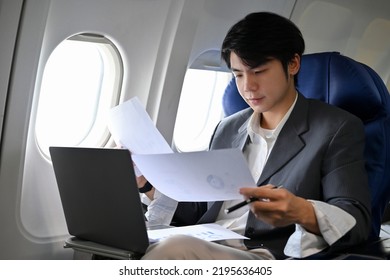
294 65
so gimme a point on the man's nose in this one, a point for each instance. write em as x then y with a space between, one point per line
250 84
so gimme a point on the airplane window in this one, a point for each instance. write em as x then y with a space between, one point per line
81 81
200 108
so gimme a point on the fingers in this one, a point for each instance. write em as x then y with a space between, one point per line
271 205
266 191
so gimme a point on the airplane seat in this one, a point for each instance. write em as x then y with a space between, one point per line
232 101
355 87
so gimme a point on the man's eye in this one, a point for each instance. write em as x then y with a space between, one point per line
259 71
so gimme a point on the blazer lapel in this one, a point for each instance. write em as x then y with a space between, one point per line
289 142
242 137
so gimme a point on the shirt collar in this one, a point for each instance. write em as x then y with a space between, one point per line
254 128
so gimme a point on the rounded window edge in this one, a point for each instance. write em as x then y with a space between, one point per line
110 88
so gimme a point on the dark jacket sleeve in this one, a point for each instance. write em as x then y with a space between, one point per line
188 213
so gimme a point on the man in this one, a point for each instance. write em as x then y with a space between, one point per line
311 151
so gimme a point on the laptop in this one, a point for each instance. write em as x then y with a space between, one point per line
99 196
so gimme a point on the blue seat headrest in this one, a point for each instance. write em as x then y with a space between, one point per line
231 100
343 82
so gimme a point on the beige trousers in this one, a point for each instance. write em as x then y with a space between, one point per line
182 247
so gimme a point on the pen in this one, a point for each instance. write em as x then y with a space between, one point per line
247 201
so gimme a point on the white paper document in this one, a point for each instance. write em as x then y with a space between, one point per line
208 232
197 176
131 127
194 176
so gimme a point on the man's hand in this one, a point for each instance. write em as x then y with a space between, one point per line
279 207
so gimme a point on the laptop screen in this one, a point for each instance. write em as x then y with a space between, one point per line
100 197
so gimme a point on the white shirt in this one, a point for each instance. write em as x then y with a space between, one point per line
333 221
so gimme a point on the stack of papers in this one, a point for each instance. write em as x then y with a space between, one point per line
208 232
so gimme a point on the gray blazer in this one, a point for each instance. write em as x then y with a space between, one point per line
318 155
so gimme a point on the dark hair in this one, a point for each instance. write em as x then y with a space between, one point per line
262 36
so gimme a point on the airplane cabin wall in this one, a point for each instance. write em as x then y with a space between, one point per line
356 28
13 138
30 209
9 23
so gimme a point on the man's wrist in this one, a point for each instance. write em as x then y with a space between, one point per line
146 188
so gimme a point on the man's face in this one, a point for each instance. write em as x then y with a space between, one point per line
265 88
